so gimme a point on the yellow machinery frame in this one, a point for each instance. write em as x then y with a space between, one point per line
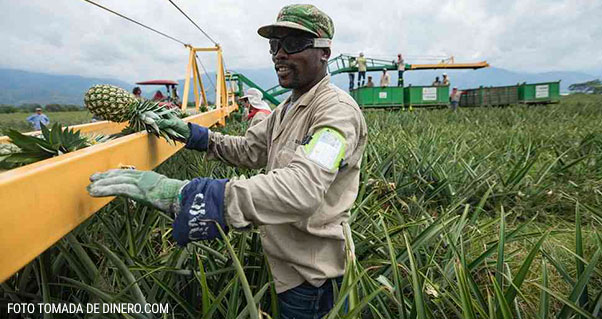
200 97
198 82
44 201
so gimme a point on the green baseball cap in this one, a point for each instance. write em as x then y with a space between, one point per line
304 17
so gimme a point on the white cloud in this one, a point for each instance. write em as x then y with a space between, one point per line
73 37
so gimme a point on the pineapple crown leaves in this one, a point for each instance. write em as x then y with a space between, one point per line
144 116
52 142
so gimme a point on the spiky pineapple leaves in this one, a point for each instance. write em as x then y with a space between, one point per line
52 142
144 116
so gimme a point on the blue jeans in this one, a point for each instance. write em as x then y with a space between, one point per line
399 78
306 301
360 78
454 105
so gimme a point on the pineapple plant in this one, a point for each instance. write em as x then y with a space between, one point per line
27 149
115 104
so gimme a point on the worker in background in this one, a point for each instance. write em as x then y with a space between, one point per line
311 147
37 118
445 81
455 98
352 65
369 84
137 93
158 96
257 109
401 67
385 79
361 67
436 82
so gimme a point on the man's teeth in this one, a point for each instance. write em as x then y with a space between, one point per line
283 69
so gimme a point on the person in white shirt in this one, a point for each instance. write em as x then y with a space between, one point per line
401 67
385 79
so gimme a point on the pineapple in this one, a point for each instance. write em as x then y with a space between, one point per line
118 105
109 102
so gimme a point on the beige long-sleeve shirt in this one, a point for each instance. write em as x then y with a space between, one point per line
298 204
259 116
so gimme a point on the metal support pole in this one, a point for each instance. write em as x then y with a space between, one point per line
187 81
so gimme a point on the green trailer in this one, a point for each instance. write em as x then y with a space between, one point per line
417 96
539 93
489 96
378 97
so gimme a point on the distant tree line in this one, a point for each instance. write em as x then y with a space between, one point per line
31 107
592 87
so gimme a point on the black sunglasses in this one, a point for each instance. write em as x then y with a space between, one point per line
292 44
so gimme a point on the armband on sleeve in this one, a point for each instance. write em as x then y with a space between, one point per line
326 148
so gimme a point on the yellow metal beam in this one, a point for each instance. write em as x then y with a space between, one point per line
477 65
196 84
44 201
200 80
212 49
187 80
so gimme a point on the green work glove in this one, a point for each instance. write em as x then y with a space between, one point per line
146 187
175 124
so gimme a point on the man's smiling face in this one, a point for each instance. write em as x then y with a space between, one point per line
299 70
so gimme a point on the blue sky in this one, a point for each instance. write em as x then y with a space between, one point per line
73 37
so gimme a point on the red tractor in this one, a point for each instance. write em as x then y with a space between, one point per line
169 100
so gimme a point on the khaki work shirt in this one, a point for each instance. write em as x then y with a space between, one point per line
258 117
297 204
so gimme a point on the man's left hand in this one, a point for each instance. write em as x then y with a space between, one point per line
147 187
198 204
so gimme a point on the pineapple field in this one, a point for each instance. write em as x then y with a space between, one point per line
480 213
16 121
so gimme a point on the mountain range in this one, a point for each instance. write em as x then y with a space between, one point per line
18 87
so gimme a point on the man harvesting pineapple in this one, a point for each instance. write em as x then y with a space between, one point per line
311 147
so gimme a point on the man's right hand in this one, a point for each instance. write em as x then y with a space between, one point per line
195 136
175 124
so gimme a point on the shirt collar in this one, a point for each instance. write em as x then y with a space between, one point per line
308 96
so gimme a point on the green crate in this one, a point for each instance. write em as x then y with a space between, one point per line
426 95
376 97
489 96
544 92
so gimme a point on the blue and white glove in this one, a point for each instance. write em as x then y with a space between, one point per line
201 207
198 204
198 138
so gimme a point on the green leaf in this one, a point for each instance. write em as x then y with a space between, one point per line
461 275
544 299
503 307
579 252
416 281
396 276
523 271
500 250
127 274
254 313
579 287
566 302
